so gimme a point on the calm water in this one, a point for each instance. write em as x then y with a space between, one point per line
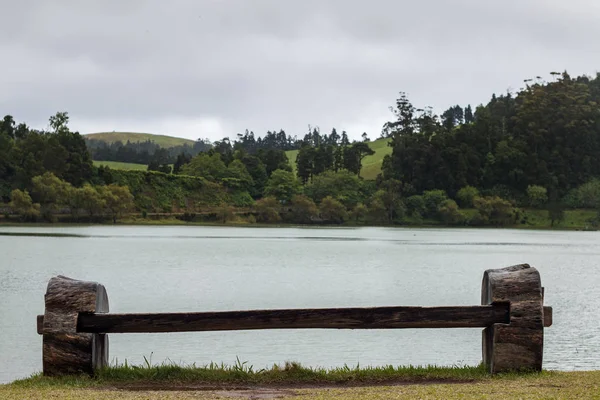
162 269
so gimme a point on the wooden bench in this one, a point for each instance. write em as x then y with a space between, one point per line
76 321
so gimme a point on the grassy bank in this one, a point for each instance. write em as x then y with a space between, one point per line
530 219
292 380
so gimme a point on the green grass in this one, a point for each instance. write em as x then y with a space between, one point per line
170 381
161 140
371 165
573 219
242 373
121 165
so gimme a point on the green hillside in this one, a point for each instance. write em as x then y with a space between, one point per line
161 140
371 164
121 165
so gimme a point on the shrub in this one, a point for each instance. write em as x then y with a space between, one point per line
302 210
433 200
449 213
466 195
495 211
415 206
22 205
537 195
359 212
332 210
267 210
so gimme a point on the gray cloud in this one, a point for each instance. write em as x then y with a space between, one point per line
211 68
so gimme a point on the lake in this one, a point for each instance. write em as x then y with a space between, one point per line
189 268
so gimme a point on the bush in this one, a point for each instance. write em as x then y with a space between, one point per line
225 213
588 194
537 195
415 206
466 195
332 211
242 199
433 200
282 185
494 211
449 213
359 212
302 210
22 205
267 210
342 185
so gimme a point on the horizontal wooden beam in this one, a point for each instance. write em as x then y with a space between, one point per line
325 318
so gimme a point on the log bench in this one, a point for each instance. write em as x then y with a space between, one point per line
76 322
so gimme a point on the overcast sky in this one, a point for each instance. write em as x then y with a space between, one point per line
209 69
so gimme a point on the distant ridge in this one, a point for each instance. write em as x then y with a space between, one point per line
161 140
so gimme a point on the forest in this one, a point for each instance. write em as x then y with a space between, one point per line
498 164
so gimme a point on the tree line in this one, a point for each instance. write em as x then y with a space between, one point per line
143 152
533 149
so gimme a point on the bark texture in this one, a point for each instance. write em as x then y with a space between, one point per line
65 350
324 318
517 345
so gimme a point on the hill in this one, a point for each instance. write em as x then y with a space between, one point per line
371 164
161 140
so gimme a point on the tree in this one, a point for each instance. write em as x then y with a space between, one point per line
282 185
494 210
556 213
51 192
225 213
342 185
433 200
466 195
302 210
359 212
181 160
22 204
88 199
210 167
305 163
333 211
386 204
415 206
537 195
267 210
404 123
449 212
274 159
365 137
354 155
258 172
118 200
238 177
588 194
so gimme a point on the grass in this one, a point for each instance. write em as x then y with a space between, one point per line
161 140
121 165
243 374
170 381
573 219
371 164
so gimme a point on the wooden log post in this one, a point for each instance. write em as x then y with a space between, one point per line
65 350
519 344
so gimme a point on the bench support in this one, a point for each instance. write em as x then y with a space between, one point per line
519 344
66 351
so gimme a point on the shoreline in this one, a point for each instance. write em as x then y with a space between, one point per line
177 222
